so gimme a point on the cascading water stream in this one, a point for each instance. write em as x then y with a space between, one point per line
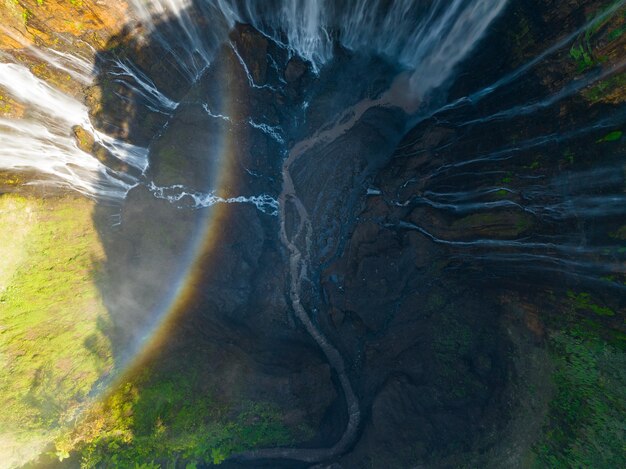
42 142
429 38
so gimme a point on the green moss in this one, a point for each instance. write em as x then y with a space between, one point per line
5 105
616 33
53 348
596 37
611 137
164 417
582 301
620 233
523 223
585 424
26 16
521 37
600 22
495 223
582 57
605 87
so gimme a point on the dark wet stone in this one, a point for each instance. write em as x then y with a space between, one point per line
296 68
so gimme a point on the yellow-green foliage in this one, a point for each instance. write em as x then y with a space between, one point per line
5 106
52 344
602 43
500 224
13 10
54 347
157 418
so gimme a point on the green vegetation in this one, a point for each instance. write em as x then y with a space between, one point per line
161 417
505 224
585 424
53 347
582 56
611 137
616 33
5 107
582 301
26 16
620 233
603 43
523 223
9 179
611 85
522 37
508 178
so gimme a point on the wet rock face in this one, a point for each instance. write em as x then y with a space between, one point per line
377 300
423 351
63 30
428 354
416 294
254 50
295 69
236 316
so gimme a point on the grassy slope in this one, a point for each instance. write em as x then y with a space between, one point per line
52 347
585 426
171 419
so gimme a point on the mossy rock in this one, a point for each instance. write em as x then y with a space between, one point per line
498 224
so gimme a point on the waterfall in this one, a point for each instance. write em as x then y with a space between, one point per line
41 141
427 38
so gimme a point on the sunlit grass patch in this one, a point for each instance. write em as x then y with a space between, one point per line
52 344
159 417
